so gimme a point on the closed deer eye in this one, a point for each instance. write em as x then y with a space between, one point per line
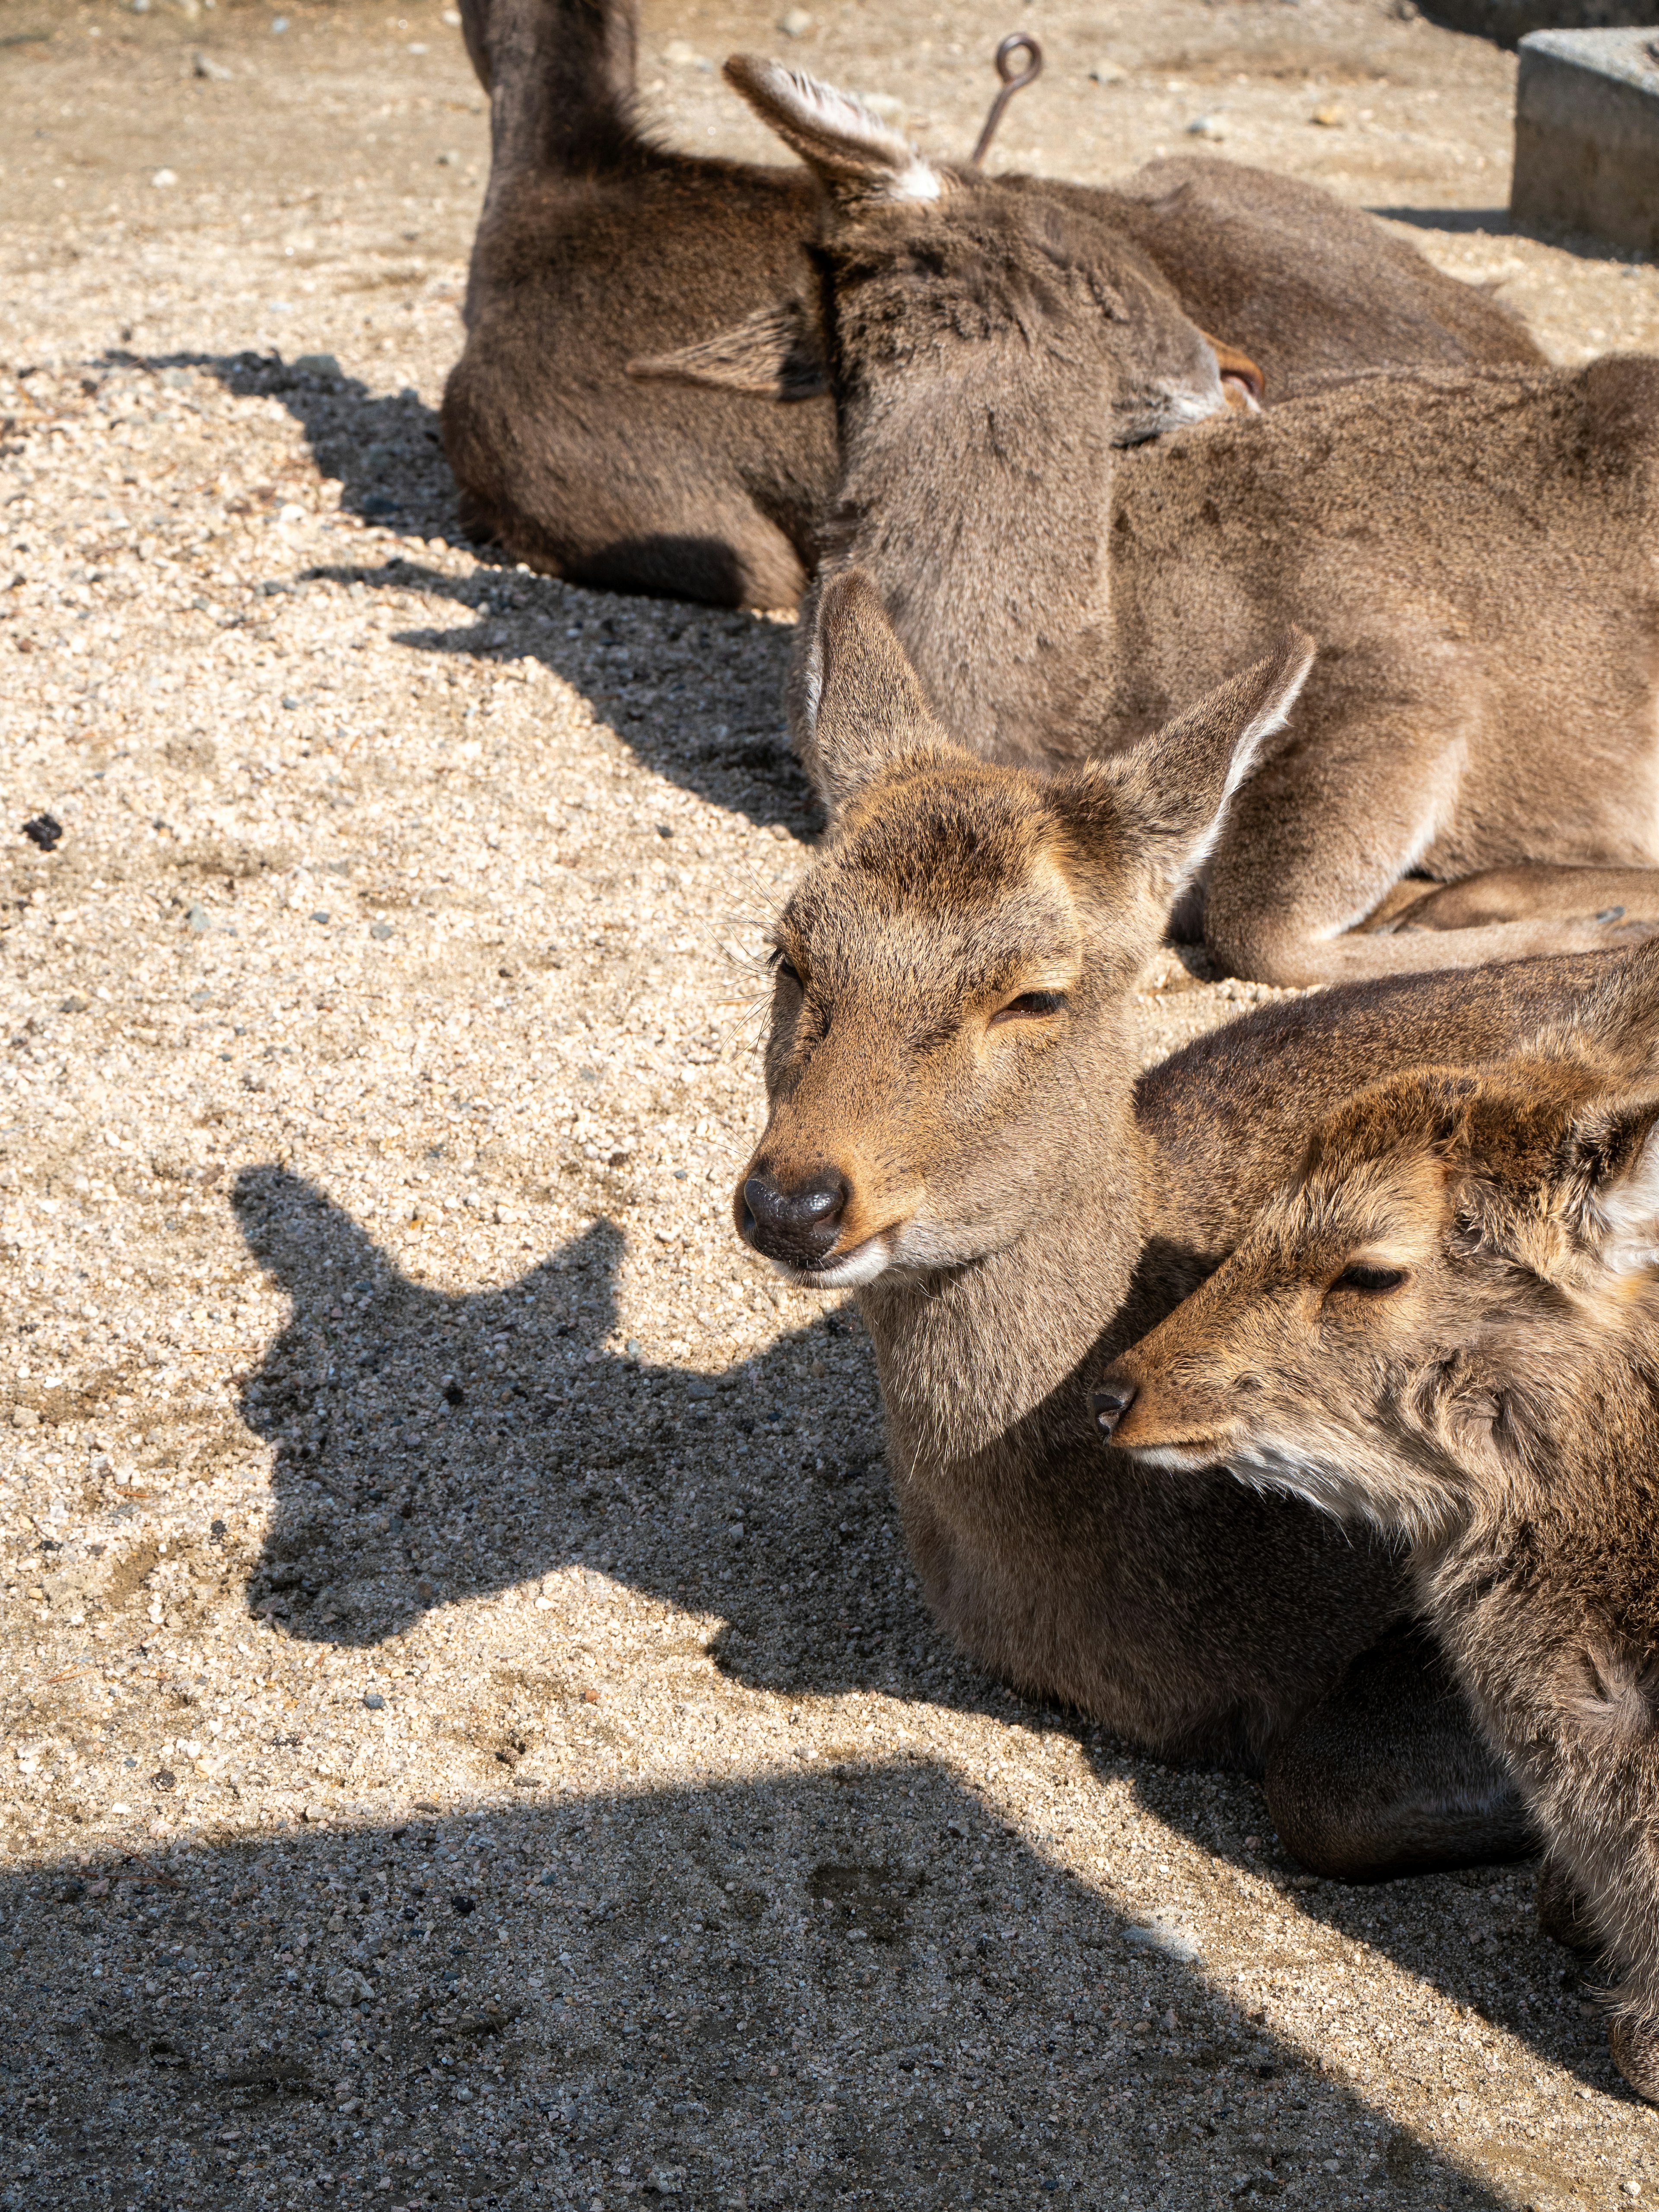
1372 1282
1030 1007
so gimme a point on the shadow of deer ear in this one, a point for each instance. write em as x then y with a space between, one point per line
308 1245
594 1259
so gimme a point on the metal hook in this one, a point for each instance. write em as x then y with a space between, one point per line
1011 84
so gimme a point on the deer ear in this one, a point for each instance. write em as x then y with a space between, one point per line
1612 1161
859 704
857 155
1176 786
776 353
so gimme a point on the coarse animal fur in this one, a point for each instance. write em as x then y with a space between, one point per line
1445 1329
596 244
956 1132
1475 551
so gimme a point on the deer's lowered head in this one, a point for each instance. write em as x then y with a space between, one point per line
947 1052
1450 1290
1015 284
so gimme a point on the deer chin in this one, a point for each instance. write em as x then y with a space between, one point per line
1187 1458
844 1271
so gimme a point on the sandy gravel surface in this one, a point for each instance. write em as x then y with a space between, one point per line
471 1736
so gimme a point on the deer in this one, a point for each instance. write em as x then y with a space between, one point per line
596 244
1075 541
1444 1330
955 1135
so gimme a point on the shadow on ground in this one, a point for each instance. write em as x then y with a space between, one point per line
858 1986
695 692
431 1447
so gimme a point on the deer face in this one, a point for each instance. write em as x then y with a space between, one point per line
935 980
947 1044
1420 1317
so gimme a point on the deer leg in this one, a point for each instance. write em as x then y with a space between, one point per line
1318 840
1537 892
1387 1774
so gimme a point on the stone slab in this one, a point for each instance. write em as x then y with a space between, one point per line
1587 135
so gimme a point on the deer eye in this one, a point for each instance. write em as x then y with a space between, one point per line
1371 1282
1030 1007
781 964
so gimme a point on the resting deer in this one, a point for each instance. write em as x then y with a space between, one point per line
1446 1329
956 1133
596 244
1477 553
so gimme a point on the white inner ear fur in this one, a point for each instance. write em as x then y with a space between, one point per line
1629 1214
1272 715
838 123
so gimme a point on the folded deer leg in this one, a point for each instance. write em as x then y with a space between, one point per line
1387 1775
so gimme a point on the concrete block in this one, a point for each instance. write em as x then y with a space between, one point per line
1587 135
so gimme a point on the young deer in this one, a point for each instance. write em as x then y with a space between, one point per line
1446 1329
1476 552
956 1133
596 245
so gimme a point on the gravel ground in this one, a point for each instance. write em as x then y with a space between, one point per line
472 1736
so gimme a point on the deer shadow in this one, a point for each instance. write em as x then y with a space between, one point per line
432 1447
786 1988
713 724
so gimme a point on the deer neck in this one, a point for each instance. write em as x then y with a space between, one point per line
978 1362
561 81
998 590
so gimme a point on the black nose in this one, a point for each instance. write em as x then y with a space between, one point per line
798 1224
1112 1403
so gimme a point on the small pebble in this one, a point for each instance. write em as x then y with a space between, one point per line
794 23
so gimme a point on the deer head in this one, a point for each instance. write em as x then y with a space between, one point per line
1000 281
948 1019
1451 1286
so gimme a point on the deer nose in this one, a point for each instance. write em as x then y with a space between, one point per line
1112 1403
799 1223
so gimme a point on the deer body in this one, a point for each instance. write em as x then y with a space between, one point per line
1071 553
1446 1329
956 1133
596 246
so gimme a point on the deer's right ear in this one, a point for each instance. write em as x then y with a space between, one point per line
856 155
858 704
1176 786
777 353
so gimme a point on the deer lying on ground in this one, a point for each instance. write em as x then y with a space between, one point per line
956 1132
1446 1329
596 244
1477 553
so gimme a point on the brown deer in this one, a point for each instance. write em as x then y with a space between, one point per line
956 1133
1445 1329
596 244
1476 551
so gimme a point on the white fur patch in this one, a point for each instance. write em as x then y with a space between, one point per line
861 1265
1629 1213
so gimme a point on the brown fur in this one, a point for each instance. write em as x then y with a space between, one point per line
1447 1329
597 246
954 1129
1475 551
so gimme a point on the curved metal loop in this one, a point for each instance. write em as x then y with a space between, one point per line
1011 84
